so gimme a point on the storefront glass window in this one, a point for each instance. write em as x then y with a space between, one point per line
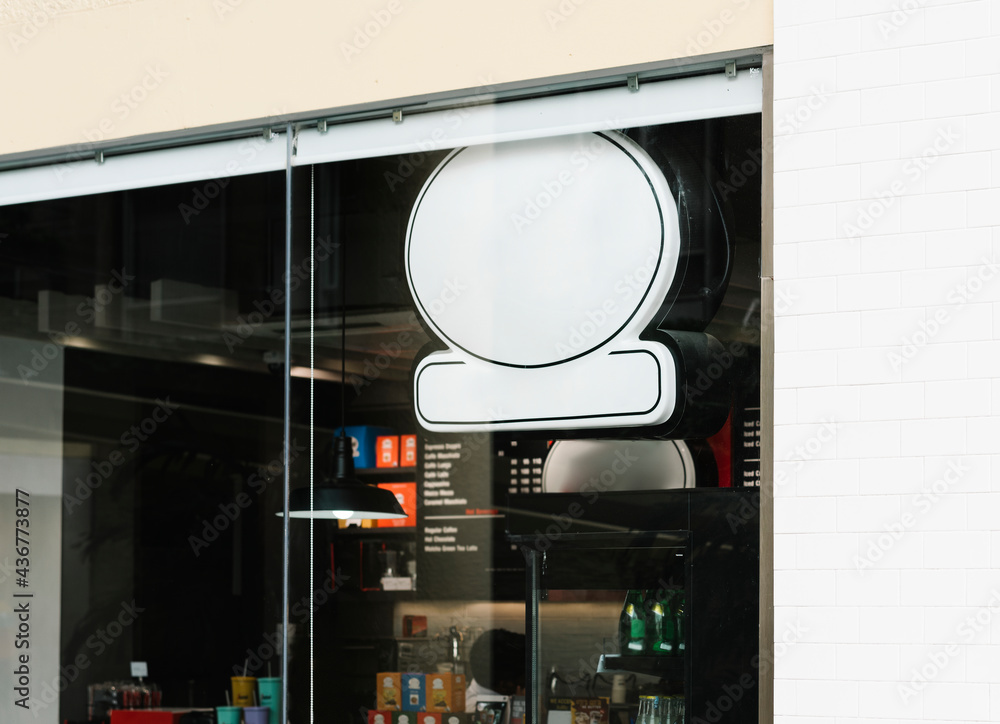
550 332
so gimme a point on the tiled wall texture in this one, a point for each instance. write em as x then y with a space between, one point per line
887 370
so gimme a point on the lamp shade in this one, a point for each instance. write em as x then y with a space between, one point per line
345 496
345 499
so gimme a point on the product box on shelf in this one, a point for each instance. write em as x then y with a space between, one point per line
446 692
413 692
594 710
388 691
387 451
363 439
408 451
414 626
379 717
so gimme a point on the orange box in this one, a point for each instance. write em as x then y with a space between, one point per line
445 692
408 451
406 494
414 626
388 691
387 451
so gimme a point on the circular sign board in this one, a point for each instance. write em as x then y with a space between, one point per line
532 253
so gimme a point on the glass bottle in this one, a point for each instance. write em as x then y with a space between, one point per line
632 624
647 714
662 626
680 624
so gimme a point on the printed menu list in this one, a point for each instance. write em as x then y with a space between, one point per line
456 523
749 440
746 423
437 492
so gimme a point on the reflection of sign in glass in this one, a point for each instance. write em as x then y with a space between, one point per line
541 263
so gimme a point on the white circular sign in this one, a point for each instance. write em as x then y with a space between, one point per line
531 253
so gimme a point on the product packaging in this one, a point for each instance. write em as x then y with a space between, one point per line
387 451
414 626
413 692
363 443
408 451
446 692
388 691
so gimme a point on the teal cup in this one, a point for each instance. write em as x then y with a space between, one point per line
269 688
228 714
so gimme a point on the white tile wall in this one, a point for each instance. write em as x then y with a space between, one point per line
880 327
932 62
891 253
887 223
884 30
838 37
838 256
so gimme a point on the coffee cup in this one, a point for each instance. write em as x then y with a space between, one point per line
228 714
255 714
243 690
270 696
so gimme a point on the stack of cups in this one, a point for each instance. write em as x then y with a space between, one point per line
244 695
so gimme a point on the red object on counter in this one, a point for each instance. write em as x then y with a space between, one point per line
147 716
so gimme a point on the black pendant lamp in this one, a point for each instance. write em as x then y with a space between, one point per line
342 495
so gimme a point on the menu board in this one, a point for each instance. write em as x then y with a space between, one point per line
457 518
746 423
462 487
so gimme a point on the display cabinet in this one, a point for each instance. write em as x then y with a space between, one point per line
692 551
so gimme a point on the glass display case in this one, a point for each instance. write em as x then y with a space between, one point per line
674 573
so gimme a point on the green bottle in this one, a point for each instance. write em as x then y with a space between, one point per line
679 622
632 624
663 629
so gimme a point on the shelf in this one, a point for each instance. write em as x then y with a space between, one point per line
666 667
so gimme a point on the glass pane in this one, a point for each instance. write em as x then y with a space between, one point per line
415 596
143 419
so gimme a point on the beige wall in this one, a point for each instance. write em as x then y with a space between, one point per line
78 70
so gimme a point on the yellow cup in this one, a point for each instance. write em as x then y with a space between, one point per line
243 688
